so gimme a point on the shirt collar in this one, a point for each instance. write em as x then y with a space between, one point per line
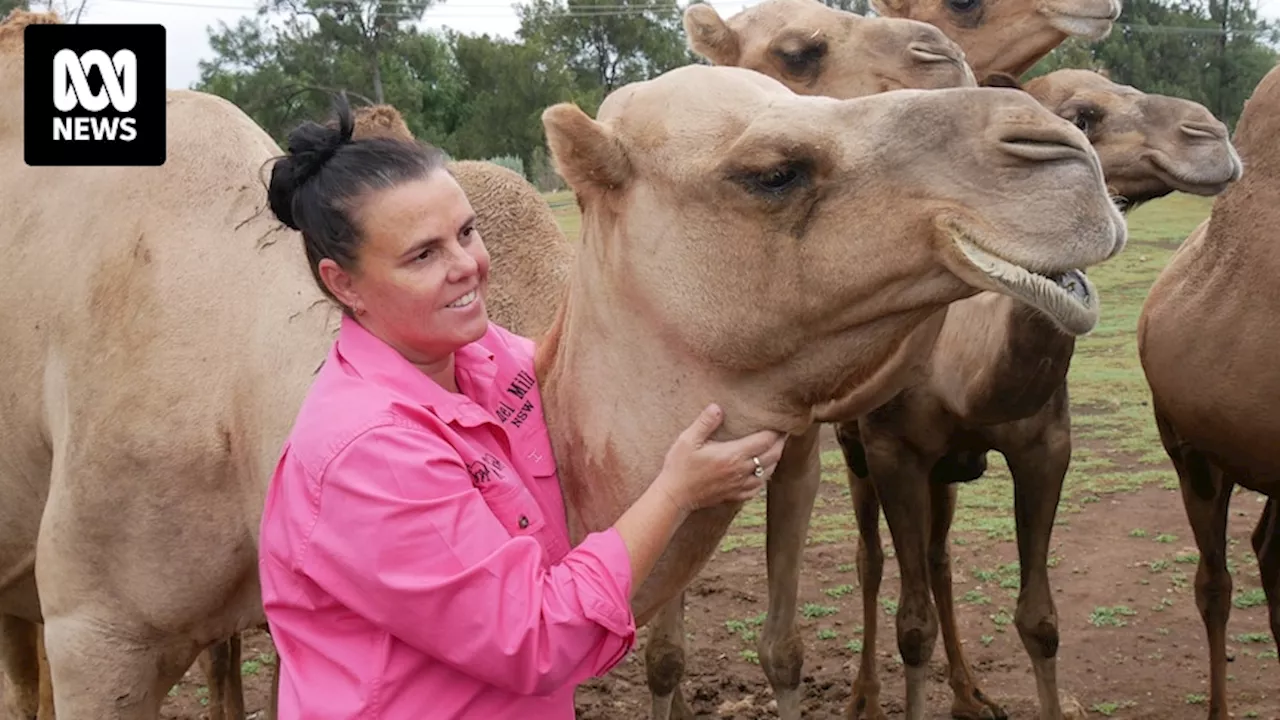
378 362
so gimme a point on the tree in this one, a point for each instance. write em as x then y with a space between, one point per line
607 43
285 71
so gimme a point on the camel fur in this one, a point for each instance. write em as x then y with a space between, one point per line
1208 339
112 451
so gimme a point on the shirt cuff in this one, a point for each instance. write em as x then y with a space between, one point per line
607 591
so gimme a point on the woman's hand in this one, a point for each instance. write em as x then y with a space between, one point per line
699 472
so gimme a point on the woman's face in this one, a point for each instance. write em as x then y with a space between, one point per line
421 271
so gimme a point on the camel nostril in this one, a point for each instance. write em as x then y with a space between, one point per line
1042 144
1204 130
931 52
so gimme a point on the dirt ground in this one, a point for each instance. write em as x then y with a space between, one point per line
1125 552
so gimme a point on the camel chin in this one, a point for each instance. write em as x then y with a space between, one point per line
1064 295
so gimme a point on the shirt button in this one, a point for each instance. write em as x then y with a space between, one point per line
524 522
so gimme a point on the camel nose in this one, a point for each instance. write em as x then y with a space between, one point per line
1202 130
1043 141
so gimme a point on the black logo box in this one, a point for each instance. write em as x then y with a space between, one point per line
41 43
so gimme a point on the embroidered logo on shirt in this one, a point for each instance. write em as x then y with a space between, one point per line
485 469
479 473
521 385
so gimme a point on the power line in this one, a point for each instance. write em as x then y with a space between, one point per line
618 10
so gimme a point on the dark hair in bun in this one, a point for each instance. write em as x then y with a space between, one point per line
315 188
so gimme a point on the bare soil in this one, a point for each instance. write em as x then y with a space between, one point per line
1154 666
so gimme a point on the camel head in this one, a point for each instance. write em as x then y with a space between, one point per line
379 121
817 50
1149 145
753 227
1009 36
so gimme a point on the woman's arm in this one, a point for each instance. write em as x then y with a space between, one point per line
402 538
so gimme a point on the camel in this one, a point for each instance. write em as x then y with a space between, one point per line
1207 341
980 395
102 474
1008 36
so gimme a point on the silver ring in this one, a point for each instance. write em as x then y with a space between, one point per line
759 471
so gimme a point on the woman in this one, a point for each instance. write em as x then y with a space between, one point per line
414 553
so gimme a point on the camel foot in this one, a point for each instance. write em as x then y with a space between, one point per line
863 706
973 704
1071 707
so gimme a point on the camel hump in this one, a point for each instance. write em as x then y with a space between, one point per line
13 25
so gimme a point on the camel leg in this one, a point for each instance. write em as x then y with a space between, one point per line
901 478
1266 545
1039 467
790 496
220 663
664 661
102 669
864 704
1206 498
46 683
970 702
19 640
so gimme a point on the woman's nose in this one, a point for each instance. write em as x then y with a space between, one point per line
464 264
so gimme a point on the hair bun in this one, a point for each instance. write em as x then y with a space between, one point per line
310 147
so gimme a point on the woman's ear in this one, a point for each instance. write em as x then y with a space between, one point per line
339 283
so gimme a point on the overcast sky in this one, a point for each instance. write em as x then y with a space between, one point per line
186 21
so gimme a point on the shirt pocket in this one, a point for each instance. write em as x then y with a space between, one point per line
512 503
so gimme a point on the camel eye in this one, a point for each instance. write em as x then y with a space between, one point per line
1087 120
963 5
777 179
802 60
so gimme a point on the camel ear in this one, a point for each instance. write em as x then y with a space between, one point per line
585 152
1000 80
380 121
709 36
889 8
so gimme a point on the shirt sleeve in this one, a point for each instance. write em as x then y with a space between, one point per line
402 538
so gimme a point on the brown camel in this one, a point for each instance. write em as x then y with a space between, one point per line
112 452
1008 36
997 381
1208 342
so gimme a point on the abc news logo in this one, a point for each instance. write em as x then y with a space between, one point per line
94 95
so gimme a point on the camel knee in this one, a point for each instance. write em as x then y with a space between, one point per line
1038 628
663 665
916 635
782 660
1213 587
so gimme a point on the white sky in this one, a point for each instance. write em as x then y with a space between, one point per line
185 22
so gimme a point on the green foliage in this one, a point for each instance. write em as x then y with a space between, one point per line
511 162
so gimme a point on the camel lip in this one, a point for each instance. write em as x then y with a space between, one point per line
1067 297
1206 186
1087 27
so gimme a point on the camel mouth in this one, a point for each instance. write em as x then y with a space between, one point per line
1205 182
1085 27
1065 296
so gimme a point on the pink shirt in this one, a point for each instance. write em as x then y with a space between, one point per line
414 557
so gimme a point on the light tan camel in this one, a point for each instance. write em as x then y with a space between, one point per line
102 474
997 381
1008 36
1208 342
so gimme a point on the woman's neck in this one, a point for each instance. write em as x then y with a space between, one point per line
442 371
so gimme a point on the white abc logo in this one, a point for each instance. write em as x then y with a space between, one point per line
119 80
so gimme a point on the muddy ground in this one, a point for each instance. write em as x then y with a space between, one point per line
1114 553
